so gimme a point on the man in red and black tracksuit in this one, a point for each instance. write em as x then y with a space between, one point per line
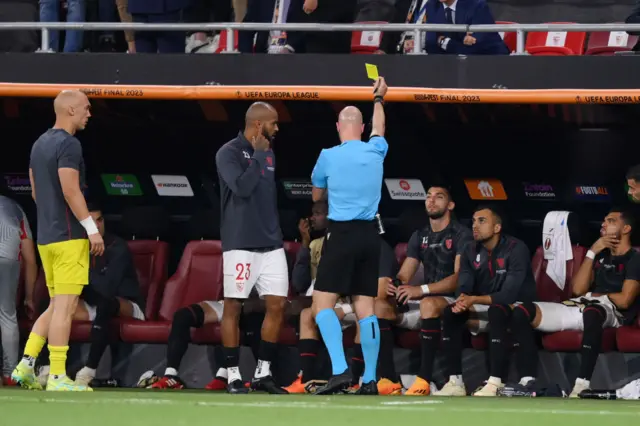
495 273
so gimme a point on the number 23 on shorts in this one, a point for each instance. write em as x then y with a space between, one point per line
244 271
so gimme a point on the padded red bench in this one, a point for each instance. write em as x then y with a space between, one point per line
151 259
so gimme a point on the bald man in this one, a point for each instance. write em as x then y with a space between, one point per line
66 235
351 175
253 254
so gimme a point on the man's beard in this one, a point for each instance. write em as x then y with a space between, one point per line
483 240
265 133
436 215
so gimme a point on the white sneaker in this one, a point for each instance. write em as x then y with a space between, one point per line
489 389
580 385
452 389
85 376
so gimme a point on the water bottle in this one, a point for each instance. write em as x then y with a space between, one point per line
598 394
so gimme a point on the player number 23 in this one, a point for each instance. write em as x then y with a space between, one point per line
243 270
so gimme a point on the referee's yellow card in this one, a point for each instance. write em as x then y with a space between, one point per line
372 71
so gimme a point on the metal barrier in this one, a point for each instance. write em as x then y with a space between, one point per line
417 29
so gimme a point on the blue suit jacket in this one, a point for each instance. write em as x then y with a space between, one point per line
154 7
469 12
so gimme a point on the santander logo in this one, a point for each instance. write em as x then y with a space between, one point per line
404 185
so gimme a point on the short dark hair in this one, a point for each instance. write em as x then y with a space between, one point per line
626 215
634 173
447 189
497 213
94 206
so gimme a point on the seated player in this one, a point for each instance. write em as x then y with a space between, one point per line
113 291
193 316
303 279
495 273
606 289
438 246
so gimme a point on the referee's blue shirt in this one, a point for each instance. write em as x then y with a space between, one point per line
352 174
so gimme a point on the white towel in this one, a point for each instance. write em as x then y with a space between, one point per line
556 243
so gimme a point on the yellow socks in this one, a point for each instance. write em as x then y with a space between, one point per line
34 345
58 360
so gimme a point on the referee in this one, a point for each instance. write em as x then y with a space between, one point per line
351 175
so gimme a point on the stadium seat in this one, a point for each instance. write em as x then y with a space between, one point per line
151 259
366 42
556 43
548 291
609 42
401 252
510 38
222 42
198 278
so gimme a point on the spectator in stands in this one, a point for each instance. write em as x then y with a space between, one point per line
409 12
466 12
113 291
633 180
125 16
257 11
18 11
76 10
606 287
320 11
204 11
16 243
495 273
158 12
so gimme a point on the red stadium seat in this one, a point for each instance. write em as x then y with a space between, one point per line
556 43
151 259
198 278
401 252
222 42
548 291
609 42
510 38
365 42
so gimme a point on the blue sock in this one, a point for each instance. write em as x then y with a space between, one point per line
331 331
370 342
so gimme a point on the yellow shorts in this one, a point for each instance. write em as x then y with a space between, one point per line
66 266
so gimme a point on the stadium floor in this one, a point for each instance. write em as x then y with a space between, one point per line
189 408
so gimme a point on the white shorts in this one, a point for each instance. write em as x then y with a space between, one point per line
217 306
560 317
350 318
137 312
411 320
267 272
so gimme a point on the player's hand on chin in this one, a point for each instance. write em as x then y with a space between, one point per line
260 143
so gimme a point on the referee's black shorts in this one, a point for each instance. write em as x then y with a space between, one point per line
350 259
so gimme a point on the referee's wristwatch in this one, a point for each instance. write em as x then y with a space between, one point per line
378 98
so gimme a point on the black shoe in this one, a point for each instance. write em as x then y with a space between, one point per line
237 387
336 384
370 388
267 384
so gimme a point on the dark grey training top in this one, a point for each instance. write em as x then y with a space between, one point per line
249 217
55 149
